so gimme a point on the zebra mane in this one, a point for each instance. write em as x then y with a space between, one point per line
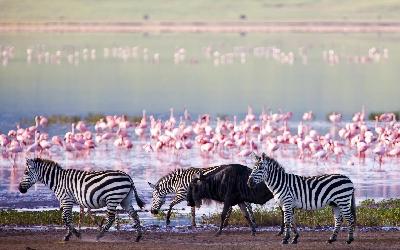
167 177
46 163
273 163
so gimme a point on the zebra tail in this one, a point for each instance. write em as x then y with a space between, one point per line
353 208
139 202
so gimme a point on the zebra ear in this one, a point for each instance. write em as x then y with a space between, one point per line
152 185
256 157
263 156
29 161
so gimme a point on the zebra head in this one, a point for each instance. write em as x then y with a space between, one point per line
158 199
30 176
260 170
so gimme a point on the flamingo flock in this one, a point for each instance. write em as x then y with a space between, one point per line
267 132
216 55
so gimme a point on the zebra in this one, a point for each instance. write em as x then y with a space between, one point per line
92 190
178 182
310 193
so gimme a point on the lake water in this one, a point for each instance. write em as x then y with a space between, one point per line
206 73
214 73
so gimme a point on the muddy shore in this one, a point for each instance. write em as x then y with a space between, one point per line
196 239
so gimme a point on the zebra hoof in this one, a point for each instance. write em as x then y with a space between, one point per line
279 233
99 236
285 241
66 238
349 241
218 233
294 241
330 241
78 234
168 222
253 233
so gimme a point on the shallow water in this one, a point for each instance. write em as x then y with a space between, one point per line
370 179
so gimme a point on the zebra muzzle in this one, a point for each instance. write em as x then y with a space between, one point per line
22 189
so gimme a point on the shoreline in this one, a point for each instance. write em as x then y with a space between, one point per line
205 27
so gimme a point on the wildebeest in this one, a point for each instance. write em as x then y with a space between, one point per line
228 185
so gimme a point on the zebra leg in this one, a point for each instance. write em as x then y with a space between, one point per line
288 216
294 229
67 218
178 198
193 210
338 222
133 214
223 216
228 214
127 205
246 214
111 210
282 230
250 210
349 215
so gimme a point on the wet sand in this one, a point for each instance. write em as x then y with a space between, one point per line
11 239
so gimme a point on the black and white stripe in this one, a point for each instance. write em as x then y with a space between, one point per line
87 189
176 182
310 193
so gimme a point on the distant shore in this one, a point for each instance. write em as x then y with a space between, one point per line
199 27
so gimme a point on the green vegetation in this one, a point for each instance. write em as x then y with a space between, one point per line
204 10
51 217
163 215
369 213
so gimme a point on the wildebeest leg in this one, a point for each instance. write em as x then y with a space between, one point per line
193 216
228 214
81 214
179 198
282 223
250 210
246 215
223 216
93 218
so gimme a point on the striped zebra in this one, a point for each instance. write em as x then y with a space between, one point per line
87 189
310 193
178 182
